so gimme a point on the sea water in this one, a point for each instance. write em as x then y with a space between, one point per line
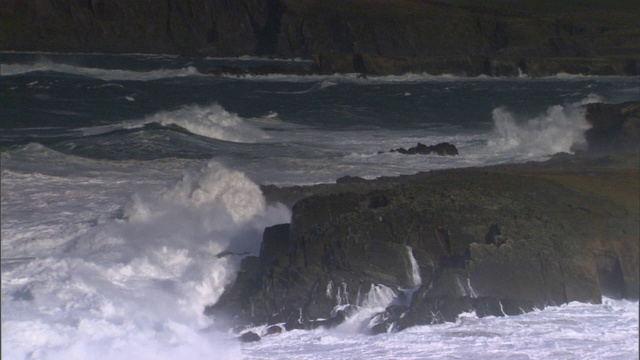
130 193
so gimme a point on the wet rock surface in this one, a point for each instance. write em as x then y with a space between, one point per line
422 149
396 252
249 336
422 249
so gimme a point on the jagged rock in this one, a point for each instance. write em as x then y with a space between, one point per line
249 336
439 149
492 241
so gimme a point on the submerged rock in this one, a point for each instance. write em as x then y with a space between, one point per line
249 336
273 330
439 149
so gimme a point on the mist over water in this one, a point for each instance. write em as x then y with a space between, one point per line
130 193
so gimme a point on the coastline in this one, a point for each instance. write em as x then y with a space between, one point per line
385 37
498 240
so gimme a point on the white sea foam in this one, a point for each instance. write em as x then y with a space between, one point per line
416 279
560 129
130 287
211 121
572 331
98 73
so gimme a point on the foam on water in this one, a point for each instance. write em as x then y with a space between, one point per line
408 78
97 73
572 331
211 121
133 286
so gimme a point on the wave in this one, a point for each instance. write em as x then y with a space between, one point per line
411 78
211 121
559 130
136 286
98 73
316 87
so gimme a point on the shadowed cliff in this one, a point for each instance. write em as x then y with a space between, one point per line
500 38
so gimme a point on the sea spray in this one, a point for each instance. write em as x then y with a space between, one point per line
136 287
463 287
560 129
370 304
416 279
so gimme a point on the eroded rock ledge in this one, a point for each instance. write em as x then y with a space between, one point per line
422 249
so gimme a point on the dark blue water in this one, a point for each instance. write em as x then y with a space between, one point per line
45 97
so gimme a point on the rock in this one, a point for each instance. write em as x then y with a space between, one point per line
438 149
615 127
495 241
359 36
273 330
351 180
261 69
249 336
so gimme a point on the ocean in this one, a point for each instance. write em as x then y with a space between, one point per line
123 177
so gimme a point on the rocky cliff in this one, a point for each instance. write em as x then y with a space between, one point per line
422 249
377 37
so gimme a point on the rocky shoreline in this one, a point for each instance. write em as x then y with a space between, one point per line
382 37
422 249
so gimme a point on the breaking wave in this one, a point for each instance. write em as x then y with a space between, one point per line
560 129
98 73
136 286
211 121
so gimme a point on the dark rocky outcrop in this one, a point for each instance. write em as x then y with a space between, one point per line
615 127
497 241
249 336
464 37
441 149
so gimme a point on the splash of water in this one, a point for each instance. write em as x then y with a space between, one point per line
560 129
136 287
416 279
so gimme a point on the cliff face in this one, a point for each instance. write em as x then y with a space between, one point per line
190 27
431 246
378 37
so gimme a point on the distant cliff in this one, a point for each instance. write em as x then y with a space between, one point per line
378 37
